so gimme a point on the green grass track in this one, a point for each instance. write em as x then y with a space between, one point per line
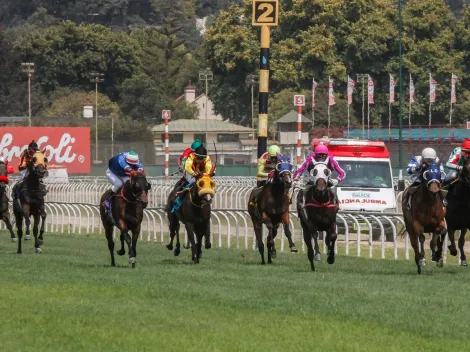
69 299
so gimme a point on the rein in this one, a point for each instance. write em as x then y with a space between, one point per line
196 205
315 204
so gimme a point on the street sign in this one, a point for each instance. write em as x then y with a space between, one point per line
166 114
265 12
299 100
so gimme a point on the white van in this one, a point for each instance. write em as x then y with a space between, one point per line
368 186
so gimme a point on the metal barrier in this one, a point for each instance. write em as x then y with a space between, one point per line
232 228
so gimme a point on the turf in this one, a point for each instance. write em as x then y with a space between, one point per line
69 299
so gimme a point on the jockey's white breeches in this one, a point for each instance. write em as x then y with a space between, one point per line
116 181
24 173
190 178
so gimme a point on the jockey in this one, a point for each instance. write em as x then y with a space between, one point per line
321 154
119 169
457 160
197 143
10 169
267 164
196 164
26 157
416 168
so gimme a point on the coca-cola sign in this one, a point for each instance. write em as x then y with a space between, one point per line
65 147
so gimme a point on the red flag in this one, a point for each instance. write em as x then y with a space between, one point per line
331 96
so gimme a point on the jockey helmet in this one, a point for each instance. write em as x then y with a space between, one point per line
429 154
201 153
197 143
33 145
465 147
274 150
132 158
321 152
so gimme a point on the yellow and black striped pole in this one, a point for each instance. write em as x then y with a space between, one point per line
265 14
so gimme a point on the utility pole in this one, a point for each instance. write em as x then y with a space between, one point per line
96 78
251 80
206 75
28 67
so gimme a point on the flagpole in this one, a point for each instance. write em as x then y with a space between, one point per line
429 100
363 105
451 97
409 115
328 118
389 117
450 119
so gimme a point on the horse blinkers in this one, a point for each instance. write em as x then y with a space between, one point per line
284 170
433 180
140 191
206 188
320 174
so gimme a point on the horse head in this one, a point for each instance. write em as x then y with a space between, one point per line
3 175
433 177
320 176
38 164
206 188
465 172
284 170
140 187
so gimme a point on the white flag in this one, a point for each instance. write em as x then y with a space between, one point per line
453 97
351 85
370 91
432 89
393 84
412 91
314 86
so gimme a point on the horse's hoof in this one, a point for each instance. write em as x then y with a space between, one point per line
27 237
121 252
452 251
113 264
177 252
186 246
14 239
132 261
419 269
317 257
463 263
19 252
38 250
440 263
208 245
294 249
422 262
330 260
169 246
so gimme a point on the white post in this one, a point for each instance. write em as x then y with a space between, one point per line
430 99
299 135
29 97
112 135
348 120
167 151
96 119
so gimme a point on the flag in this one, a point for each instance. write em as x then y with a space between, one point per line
393 83
314 86
331 96
453 97
370 91
432 89
412 91
351 85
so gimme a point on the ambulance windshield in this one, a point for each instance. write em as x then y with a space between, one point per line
365 174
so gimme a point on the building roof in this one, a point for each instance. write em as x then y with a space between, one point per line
7 119
196 125
291 116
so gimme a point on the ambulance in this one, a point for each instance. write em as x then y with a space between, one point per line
368 186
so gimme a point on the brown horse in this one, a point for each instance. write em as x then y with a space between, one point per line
269 205
28 200
426 215
127 211
317 212
458 210
4 205
195 214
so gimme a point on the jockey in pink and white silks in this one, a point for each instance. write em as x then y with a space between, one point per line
322 155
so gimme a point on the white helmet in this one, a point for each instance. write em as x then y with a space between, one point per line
429 154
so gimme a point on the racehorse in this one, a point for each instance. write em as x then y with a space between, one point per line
317 212
4 206
127 211
458 210
269 205
426 215
194 213
29 201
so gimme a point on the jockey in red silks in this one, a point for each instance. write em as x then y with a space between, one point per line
321 155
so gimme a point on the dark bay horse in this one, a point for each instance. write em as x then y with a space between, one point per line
4 205
317 212
269 205
458 211
426 215
127 211
194 213
29 201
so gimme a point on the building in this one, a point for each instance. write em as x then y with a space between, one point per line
235 144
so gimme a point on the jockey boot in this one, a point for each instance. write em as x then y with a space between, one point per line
107 203
179 199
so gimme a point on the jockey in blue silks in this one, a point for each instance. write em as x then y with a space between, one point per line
119 169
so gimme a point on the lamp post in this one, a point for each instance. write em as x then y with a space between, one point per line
96 78
28 67
251 80
206 75
363 79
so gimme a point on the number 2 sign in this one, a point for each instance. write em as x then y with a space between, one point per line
265 12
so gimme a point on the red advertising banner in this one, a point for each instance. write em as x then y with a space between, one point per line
65 147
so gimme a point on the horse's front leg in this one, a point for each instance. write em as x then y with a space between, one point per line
43 224
317 247
416 235
133 248
288 233
19 229
463 258
269 240
440 235
192 241
37 242
6 219
172 224
258 227
308 242
331 237
27 221
122 238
